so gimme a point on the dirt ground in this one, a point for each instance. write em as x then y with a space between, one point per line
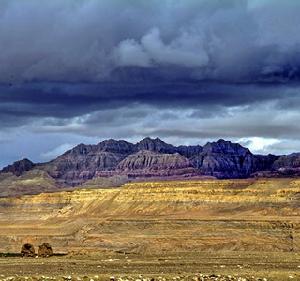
184 266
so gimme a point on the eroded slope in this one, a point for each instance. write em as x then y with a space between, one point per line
159 217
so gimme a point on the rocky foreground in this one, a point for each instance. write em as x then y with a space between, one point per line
214 266
196 277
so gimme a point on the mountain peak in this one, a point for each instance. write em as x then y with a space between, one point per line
19 167
223 141
156 145
225 147
116 146
80 149
149 139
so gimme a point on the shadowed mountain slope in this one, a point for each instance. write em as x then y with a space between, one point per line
155 158
19 167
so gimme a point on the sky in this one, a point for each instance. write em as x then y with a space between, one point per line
186 71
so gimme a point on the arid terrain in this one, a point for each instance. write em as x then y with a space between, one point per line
246 227
149 140
220 265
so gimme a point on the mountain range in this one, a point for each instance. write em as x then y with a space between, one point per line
153 158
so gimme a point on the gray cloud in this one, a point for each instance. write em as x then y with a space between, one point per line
259 120
64 100
76 40
185 70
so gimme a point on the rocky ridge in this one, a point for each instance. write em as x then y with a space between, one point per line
155 158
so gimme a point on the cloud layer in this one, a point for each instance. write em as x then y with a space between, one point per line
86 40
184 70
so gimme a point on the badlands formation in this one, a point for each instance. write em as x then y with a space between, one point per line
158 217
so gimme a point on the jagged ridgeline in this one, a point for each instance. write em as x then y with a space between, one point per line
113 162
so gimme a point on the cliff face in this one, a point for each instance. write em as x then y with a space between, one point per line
224 159
288 165
287 162
148 163
153 157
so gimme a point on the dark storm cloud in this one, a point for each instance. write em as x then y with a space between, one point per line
66 58
58 103
63 100
178 69
76 40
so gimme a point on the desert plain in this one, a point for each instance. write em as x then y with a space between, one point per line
164 230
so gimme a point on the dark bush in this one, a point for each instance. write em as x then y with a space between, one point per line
28 250
45 250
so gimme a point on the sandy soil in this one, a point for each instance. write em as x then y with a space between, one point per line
184 266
